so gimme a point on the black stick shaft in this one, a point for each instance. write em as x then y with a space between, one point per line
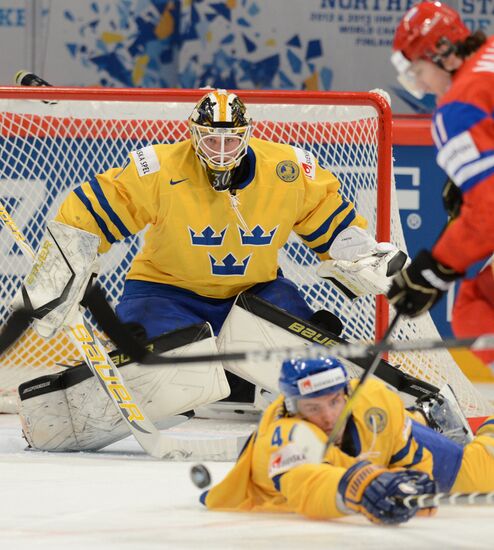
95 301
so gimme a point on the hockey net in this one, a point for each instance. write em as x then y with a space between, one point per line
49 147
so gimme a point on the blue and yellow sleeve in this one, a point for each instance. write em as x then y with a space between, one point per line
112 205
325 213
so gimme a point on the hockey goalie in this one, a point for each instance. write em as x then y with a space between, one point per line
217 208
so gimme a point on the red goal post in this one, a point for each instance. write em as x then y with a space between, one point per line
53 139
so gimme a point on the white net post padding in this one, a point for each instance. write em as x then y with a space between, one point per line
48 149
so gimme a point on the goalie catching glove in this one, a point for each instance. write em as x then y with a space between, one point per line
378 493
418 287
360 265
59 277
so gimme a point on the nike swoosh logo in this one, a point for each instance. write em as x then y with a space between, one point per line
177 181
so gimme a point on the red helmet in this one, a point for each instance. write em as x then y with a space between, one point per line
426 26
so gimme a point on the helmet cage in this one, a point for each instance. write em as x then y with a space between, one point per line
406 76
220 148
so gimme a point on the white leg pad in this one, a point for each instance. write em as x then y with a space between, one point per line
243 330
82 417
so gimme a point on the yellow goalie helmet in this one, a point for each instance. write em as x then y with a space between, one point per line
220 130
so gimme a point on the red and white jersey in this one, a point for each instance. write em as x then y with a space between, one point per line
463 131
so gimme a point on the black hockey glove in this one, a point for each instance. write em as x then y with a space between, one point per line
418 287
378 493
452 199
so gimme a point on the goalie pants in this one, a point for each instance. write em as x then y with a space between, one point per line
161 308
473 313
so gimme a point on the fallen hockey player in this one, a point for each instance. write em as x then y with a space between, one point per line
384 453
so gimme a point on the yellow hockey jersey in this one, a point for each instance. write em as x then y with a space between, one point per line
215 244
272 474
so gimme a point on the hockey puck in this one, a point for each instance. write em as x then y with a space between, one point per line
200 476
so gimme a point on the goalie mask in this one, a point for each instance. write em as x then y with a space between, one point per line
430 31
220 130
307 378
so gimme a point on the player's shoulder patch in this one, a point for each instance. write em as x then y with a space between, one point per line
287 170
146 160
286 458
307 162
376 419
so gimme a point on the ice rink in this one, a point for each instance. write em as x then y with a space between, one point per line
122 499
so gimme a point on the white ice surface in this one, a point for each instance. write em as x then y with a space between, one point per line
122 499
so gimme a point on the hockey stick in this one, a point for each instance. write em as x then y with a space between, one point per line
449 499
347 409
96 302
99 362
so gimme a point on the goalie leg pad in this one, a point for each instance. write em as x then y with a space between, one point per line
71 411
257 324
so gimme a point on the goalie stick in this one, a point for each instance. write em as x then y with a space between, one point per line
96 358
96 302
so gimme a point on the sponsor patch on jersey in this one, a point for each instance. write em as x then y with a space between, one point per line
287 170
307 162
376 419
321 381
285 459
146 160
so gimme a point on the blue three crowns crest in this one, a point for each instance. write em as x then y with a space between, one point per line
230 264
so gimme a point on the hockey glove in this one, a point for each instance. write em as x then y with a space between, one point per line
452 199
377 492
419 286
63 268
360 265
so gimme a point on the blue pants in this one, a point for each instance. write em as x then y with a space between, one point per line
161 308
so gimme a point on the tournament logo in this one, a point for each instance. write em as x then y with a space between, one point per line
307 161
287 170
376 419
